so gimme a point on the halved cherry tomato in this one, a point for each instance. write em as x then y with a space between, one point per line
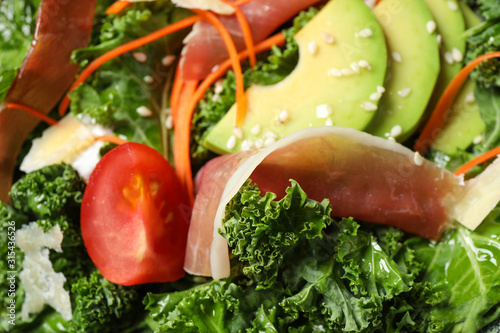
135 217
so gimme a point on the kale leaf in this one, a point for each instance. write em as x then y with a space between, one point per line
295 269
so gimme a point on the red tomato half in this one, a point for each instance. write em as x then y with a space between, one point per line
135 217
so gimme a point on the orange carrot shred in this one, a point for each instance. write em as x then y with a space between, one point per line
477 161
247 33
94 65
117 7
176 92
182 135
32 111
110 138
233 56
189 98
438 116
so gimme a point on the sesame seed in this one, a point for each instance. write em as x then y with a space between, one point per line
247 145
328 38
369 106
439 39
218 87
329 122
381 89
449 58
144 111
404 92
452 5
231 142
238 132
355 67
418 159
396 131
168 60
269 141
457 55
375 96
313 47
215 97
283 116
461 179
256 129
169 122
431 26
140 56
346 71
123 137
270 134
491 40
323 111
396 57
391 139
149 79
259 143
335 72
470 98
367 32
364 64
215 68
478 139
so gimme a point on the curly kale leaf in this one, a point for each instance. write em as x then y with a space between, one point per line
261 230
102 306
52 196
483 39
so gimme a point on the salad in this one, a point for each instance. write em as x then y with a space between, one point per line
249 166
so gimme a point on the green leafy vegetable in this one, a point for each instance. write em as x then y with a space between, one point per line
463 267
113 95
297 270
17 25
483 39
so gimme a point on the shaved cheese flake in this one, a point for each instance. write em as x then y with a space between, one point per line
41 283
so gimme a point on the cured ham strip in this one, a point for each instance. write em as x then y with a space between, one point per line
45 75
205 49
366 177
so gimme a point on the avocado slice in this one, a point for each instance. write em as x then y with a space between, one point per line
413 66
464 122
451 27
342 61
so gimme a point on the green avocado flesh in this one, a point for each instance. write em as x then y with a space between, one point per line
413 66
450 27
331 84
464 122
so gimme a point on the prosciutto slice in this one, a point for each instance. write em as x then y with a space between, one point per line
47 72
205 48
366 177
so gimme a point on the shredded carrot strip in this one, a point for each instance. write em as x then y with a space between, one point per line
94 65
438 116
477 161
176 92
240 2
233 56
32 111
110 138
187 104
182 135
247 33
117 7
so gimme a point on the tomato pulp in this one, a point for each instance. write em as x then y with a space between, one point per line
135 217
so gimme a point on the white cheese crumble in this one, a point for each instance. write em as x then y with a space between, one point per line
41 283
